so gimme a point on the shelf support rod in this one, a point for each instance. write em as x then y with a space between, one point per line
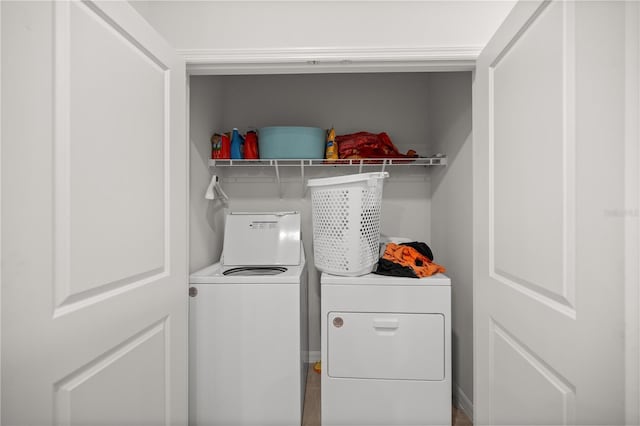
360 168
275 163
302 177
384 164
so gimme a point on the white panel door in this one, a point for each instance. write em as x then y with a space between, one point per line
94 273
549 246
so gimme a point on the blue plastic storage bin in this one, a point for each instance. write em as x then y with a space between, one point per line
291 142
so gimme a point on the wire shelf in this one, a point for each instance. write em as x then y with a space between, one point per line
438 160
419 161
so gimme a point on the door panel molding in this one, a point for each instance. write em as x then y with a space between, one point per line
68 299
64 388
534 16
63 10
566 391
563 300
72 302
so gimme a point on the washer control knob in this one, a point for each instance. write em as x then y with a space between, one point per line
338 322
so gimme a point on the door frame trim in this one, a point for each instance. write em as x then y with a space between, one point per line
329 60
1 284
336 60
631 215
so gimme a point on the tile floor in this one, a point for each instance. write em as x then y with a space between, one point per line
311 414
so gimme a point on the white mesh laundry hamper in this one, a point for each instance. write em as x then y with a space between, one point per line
346 214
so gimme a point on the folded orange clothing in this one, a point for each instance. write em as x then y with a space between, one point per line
407 256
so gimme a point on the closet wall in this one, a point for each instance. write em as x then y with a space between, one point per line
428 112
450 132
395 103
205 218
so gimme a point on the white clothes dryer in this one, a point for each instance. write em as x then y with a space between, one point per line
248 339
386 350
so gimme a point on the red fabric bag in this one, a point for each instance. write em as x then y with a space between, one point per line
368 145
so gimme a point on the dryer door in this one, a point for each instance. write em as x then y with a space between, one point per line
364 345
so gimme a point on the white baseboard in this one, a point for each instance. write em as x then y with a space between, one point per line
462 401
314 356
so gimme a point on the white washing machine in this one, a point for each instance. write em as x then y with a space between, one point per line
386 350
248 339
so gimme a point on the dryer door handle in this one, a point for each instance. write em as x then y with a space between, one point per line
386 323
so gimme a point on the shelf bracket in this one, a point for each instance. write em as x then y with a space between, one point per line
302 178
384 164
360 168
275 163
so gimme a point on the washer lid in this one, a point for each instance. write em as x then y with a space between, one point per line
271 238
